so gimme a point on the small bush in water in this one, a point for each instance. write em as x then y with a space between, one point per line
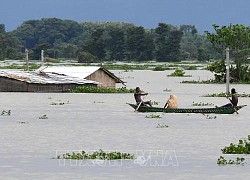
89 89
179 73
97 155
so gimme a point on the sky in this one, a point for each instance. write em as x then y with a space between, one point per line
147 13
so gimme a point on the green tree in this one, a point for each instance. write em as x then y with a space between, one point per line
174 45
36 51
236 37
138 44
96 44
167 42
202 55
9 45
115 44
161 41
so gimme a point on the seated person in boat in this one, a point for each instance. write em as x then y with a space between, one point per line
138 94
172 102
233 100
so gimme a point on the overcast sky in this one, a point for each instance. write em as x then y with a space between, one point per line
146 13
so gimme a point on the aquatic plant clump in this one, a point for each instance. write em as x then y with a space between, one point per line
210 117
5 112
162 126
179 73
222 161
161 68
97 155
202 104
156 116
222 94
242 148
89 89
211 81
43 117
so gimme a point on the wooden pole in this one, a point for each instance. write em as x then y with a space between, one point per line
227 70
27 59
42 56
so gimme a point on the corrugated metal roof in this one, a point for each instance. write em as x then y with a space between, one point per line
73 71
44 78
78 71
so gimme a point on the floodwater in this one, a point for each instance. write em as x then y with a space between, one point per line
187 149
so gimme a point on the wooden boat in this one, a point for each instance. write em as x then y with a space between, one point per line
215 110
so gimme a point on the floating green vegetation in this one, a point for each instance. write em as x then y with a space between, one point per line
242 148
98 102
210 116
179 73
32 66
148 66
161 68
190 67
89 89
153 116
52 60
222 94
5 112
162 126
23 122
201 82
43 117
59 103
127 67
167 90
222 161
96 155
202 104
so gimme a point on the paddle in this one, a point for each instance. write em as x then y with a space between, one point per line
140 103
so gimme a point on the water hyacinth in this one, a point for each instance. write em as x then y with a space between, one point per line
156 116
97 155
89 89
162 126
5 112
242 148
222 161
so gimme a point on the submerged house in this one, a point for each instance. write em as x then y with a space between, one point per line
56 79
21 81
99 74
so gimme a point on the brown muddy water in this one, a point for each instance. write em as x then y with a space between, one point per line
187 149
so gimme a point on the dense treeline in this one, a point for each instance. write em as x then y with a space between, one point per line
9 45
92 42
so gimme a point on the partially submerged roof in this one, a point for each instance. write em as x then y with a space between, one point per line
78 71
42 78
